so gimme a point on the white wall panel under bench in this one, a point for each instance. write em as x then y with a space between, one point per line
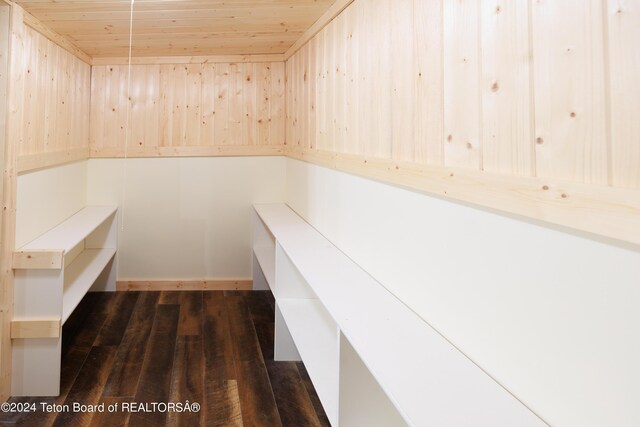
549 314
185 218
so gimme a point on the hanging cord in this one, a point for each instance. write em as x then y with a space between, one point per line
127 132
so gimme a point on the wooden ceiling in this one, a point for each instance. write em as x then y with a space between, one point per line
179 27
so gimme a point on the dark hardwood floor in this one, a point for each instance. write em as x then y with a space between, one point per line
214 348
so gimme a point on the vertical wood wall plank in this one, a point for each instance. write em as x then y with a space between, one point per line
312 100
365 77
428 34
350 38
461 84
236 100
152 107
249 121
288 101
193 94
623 21
221 131
507 140
321 90
98 87
208 104
276 104
138 104
166 105
570 109
402 80
381 79
339 73
304 89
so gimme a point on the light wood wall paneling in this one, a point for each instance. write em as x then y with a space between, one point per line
305 96
403 80
570 105
14 139
55 104
321 92
338 72
336 8
277 104
518 88
461 84
187 105
379 13
507 103
623 22
312 78
429 91
289 111
208 109
351 80
365 77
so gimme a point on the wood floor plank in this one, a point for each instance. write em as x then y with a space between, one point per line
223 405
169 297
190 313
294 405
244 338
87 387
262 315
79 332
117 418
155 376
115 326
99 306
313 395
228 368
187 379
123 379
256 397
218 347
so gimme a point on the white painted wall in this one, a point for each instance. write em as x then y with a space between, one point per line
552 316
47 197
185 218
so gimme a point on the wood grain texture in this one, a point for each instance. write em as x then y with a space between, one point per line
56 38
55 104
155 375
256 397
88 386
461 84
191 27
187 381
187 109
507 119
35 328
570 107
521 97
14 132
123 379
623 22
184 285
197 368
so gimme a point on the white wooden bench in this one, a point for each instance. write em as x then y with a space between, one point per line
52 275
372 360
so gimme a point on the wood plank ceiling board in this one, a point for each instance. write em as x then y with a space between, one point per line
179 27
